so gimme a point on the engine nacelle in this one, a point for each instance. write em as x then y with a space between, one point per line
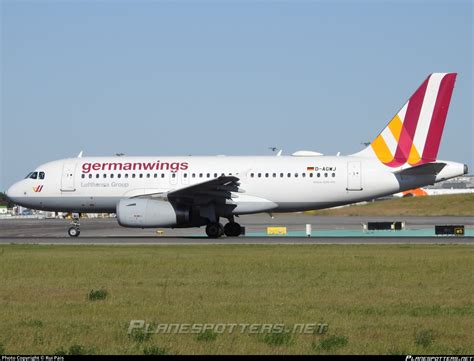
145 212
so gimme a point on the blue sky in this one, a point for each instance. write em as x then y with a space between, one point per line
178 78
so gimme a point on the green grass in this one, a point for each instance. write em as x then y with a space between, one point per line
424 338
444 205
330 343
97 295
155 351
278 339
387 299
206 336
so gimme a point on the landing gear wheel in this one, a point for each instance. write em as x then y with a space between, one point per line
214 230
232 229
74 232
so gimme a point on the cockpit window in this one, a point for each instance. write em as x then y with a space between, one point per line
41 175
34 175
28 175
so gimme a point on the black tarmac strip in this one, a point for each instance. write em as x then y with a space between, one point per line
108 232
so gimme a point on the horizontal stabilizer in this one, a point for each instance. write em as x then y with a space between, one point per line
424 169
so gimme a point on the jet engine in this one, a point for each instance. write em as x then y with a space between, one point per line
145 212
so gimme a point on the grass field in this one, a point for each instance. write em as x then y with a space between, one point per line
445 205
405 299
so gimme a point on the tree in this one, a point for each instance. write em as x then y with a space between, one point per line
4 201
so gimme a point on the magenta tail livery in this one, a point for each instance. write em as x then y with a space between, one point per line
414 134
200 191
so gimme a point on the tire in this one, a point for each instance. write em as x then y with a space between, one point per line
232 229
214 230
74 232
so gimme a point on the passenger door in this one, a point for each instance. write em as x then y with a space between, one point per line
354 176
67 178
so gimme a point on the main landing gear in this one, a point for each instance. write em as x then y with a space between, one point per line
74 230
231 229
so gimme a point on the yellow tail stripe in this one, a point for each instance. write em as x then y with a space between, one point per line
381 150
414 156
395 126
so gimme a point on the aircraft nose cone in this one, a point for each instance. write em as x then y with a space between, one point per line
13 193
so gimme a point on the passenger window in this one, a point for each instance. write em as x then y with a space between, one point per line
156 175
162 175
208 175
303 175
126 175
194 175
90 175
259 175
148 175
97 175
105 175
274 175
281 175
333 175
141 175
251 175
296 175
112 175
289 175
311 175
83 175
185 175
133 175
119 175
41 175
215 175
200 175
266 175
325 175
173 175
319 175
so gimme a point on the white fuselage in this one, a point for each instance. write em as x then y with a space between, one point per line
267 183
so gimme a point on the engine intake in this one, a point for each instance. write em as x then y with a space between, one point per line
143 213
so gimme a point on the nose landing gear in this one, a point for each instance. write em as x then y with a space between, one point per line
74 230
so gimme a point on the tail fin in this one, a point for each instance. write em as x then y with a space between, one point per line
414 134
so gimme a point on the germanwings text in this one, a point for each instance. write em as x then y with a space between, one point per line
117 166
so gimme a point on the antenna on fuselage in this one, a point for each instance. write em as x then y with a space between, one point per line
274 149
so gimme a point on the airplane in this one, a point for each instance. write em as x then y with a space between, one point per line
196 191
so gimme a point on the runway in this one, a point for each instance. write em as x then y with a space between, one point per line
240 240
327 230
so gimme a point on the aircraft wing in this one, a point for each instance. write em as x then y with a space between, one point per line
216 190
